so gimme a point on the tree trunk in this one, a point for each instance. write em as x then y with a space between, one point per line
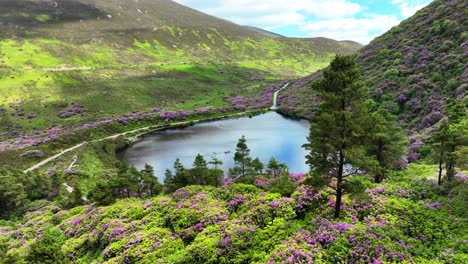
339 189
451 164
379 175
243 168
441 161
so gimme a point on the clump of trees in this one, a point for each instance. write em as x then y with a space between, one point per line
48 248
244 171
449 142
18 190
199 174
127 182
346 136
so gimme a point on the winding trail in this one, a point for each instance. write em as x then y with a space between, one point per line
44 162
275 97
151 128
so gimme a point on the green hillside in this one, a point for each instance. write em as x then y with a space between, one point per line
81 80
415 70
112 57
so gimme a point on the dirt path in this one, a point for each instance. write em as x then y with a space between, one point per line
67 68
44 162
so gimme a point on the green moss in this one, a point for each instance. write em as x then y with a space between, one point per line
25 54
43 18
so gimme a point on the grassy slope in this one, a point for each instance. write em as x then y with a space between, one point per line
125 55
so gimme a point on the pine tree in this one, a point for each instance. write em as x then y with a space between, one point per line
257 165
179 180
340 127
387 143
152 185
200 171
439 144
450 139
216 162
242 158
169 183
178 167
102 193
136 182
276 169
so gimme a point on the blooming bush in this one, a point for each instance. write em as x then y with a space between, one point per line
405 221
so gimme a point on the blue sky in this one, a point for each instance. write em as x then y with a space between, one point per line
358 20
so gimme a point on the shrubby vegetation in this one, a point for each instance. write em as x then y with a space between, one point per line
361 203
259 213
403 219
416 71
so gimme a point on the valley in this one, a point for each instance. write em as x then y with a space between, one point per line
148 131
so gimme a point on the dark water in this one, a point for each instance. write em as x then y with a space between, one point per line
268 135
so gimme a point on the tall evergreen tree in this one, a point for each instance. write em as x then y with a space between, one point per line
339 129
215 162
136 182
102 193
387 143
178 180
152 185
216 173
169 182
450 140
122 181
439 140
199 171
178 167
242 158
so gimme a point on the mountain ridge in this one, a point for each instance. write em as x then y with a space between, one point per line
416 71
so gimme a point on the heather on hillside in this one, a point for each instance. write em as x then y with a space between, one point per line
146 131
71 62
416 71
405 220
258 214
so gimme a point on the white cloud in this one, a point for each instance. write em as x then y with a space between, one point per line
336 19
410 7
361 30
332 9
245 8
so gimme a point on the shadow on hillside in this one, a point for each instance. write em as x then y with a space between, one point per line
121 92
16 14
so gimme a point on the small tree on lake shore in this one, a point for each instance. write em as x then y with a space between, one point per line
242 160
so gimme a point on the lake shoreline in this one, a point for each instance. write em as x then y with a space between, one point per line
217 137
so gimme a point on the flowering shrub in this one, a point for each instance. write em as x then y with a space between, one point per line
72 111
412 71
33 153
408 221
307 199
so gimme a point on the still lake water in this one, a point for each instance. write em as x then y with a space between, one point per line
268 135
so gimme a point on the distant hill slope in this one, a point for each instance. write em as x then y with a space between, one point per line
154 26
414 70
116 56
265 32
